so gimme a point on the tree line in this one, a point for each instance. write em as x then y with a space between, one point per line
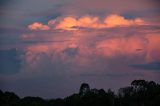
138 93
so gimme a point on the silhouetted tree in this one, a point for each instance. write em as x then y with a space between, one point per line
32 101
8 99
73 100
84 89
56 102
138 93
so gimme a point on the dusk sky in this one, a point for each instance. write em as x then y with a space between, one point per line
49 47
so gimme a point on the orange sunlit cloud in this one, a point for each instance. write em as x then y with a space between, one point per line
71 23
38 26
68 23
116 20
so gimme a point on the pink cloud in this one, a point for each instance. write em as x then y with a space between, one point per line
145 47
153 49
129 46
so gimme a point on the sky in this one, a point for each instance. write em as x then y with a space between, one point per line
49 47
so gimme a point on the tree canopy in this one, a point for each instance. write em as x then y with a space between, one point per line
138 93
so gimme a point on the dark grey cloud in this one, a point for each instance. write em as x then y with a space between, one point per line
4 3
9 64
43 42
148 66
9 36
71 51
148 13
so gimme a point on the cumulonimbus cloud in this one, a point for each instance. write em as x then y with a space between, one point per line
73 23
132 45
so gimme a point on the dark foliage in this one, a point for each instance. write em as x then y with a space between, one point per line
139 93
32 101
8 99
